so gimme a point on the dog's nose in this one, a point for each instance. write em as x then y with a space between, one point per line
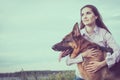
53 47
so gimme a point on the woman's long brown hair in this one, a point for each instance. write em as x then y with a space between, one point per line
99 21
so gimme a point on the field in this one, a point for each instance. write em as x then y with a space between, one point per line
38 75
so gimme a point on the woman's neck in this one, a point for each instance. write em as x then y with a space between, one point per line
90 29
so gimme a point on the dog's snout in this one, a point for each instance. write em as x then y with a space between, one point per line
53 47
58 47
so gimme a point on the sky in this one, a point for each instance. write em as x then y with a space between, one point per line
29 28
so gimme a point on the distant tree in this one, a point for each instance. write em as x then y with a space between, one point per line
23 75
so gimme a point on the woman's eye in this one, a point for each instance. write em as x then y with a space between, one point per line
88 13
82 14
85 13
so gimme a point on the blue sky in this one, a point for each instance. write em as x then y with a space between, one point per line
29 28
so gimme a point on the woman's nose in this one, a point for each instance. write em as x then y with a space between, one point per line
85 16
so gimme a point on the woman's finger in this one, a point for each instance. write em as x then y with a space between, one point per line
90 70
92 62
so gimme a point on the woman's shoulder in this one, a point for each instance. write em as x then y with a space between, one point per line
103 31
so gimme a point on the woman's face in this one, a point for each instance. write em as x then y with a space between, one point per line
88 17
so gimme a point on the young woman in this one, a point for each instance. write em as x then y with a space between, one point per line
94 30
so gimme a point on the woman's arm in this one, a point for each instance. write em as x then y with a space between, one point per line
75 60
113 58
79 58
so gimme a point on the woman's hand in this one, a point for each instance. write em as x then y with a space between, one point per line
89 53
94 66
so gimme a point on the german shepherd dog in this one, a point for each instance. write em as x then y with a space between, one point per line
74 43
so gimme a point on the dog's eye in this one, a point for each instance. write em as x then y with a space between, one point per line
67 41
64 41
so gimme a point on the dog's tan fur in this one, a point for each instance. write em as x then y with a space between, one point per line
79 45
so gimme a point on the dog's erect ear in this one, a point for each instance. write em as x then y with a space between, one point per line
76 30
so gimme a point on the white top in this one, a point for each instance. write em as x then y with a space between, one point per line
103 38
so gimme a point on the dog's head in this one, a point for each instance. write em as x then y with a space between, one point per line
69 44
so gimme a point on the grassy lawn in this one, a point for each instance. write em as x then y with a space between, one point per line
39 75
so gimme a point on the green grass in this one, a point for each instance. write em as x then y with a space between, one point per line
68 75
39 75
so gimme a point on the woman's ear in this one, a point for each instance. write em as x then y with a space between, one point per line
96 17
